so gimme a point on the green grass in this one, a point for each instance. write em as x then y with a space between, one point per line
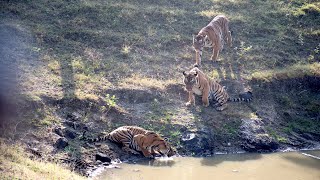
88 45
291 72
276 136
80 32
303 125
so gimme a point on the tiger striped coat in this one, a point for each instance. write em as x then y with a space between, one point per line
134 138
212 35
198 83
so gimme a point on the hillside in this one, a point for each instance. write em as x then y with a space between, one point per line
103 64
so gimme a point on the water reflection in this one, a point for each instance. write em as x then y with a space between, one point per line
275 166
217 159
303 160
157 162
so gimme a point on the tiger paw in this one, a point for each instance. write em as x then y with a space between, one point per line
197 65
206 105
221 108
189 103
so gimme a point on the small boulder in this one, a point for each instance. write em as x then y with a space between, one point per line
198 143
256 138
70 134
58 131
102 157
61 143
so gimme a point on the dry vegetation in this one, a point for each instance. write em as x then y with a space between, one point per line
16 164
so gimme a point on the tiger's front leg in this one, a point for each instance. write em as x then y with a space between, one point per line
198 57
191 100
215 52
139 138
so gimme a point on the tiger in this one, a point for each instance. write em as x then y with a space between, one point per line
212 35
198 83
134 138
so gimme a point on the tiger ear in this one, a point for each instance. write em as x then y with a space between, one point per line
184 73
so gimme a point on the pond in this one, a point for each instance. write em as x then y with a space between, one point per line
303 165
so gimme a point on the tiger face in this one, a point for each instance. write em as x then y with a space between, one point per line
155 144
190 79
163 148
172 152
198 42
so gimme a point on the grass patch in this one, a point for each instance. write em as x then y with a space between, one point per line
296 71
275 135
88 47
303 125
15 164
137 80
312 9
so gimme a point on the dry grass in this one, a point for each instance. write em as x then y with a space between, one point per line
15 164
138 81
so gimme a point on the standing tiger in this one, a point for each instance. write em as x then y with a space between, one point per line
135 139
212 35
198 83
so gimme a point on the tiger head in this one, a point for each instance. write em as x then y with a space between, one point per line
160 145
198 42
190 78
165 148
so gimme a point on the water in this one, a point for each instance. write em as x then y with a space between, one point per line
276 166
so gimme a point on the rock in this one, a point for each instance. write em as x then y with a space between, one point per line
102 157
58 131
198 143
183 129
61 143
106 164
307 136
70 124
35 151
70 134
33 143
75 116
255 137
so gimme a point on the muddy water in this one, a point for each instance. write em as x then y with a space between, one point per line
276 166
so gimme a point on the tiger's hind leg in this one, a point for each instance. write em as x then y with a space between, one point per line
205 98
126 147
